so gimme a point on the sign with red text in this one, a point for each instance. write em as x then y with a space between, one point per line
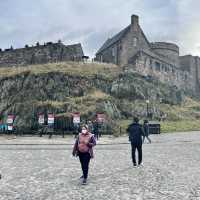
51 118
76 118
10 119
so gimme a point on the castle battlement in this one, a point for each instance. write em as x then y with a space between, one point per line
37 45
39 54
165 46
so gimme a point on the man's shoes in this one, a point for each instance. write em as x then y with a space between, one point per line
134 165
141 165
81 177
84 182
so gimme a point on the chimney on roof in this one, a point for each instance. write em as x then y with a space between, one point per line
134 20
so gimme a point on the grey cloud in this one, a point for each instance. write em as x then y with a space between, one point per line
91 22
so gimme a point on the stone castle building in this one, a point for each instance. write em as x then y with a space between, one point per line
131 48
39 54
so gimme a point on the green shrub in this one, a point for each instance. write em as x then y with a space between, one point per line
179 126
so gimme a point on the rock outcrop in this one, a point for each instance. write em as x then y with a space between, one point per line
88 88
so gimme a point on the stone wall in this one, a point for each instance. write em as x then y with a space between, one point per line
165 72
39 54
110 55
198 74
192 65
169 50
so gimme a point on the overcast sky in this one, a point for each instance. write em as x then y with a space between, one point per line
91 22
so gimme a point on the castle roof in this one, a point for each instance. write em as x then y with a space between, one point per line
110 41
114 39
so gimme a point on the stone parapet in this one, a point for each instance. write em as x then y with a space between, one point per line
165 46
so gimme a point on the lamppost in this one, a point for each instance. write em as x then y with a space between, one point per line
147 102
160 109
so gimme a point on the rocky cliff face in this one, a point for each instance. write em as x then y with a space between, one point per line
87 88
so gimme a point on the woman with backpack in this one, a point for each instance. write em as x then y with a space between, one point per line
83 148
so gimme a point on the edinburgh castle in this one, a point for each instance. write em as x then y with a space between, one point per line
131 48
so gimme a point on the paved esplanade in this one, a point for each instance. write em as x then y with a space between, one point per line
41 172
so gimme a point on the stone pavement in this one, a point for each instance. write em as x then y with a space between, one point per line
56 139
43 169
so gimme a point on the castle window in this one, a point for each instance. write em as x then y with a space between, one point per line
113 51
101 58
150 62
164 68
145 61
134 41
120 46
185 76
157 64
171 68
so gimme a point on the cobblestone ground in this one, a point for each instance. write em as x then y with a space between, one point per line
46 171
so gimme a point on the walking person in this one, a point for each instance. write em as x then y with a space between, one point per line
76 129
135 132
96 129
90 127
146 131
83 148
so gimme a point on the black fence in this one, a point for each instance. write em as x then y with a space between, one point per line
154 128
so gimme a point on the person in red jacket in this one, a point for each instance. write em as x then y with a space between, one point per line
83 148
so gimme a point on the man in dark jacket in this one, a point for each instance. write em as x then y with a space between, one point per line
135 132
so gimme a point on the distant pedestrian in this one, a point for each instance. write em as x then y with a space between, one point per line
146 131
90 126
77 129
96 129
83 148
135 132
50 129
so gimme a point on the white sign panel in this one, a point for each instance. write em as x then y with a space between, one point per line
10 128
41 119
50 119
76 118
10 119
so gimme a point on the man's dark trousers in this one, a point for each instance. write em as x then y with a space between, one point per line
139 149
